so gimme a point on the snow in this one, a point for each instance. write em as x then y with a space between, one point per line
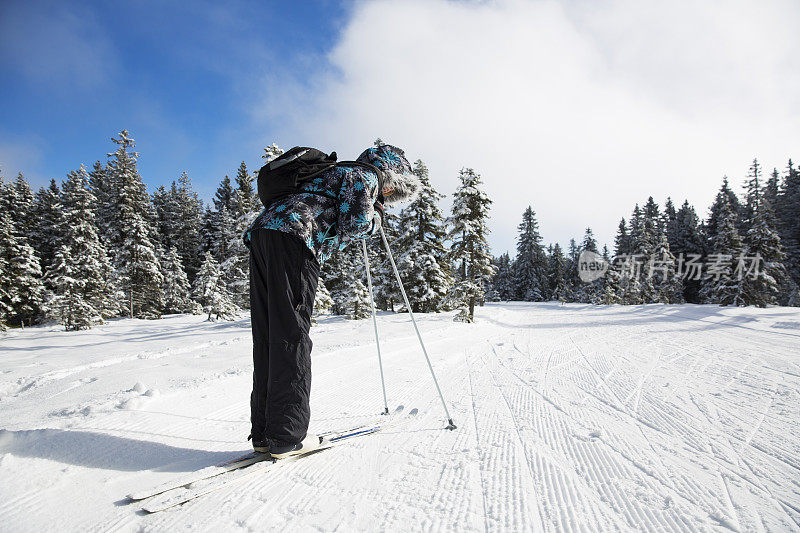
570 417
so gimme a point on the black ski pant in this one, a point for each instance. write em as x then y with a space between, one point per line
283 282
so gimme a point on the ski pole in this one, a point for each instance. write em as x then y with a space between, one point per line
451 425
375 324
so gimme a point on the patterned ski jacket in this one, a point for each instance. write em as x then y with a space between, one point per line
335 207
325 223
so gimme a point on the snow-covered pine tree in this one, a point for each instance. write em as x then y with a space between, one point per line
358 307
224 195
420 251
165 211
588 292
177 289
470 248
763 243
689 243
245 207
720 281
210 291
530 265
788 215
503 282
669 222
343 275
753 198
81 278
188 220
46 231
622 240
67 304
661 270
208 231
384 283
271 152
21 280
772 190
645 241
24 215
132 238
139 271
103 188
573 282
629 263
224 234
726 195
322 301
557 274
7 240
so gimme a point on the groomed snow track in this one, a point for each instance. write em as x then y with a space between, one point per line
570 418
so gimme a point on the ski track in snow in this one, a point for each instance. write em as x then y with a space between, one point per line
570 418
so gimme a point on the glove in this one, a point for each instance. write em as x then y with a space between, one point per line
376 223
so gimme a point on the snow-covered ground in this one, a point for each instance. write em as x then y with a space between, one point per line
569 418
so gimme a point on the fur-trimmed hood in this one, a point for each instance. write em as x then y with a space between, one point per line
400 184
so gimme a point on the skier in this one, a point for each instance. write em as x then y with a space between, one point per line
288 242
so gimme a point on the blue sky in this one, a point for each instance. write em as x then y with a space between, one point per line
178 75
579 108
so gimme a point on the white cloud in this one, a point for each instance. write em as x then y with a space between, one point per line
578 108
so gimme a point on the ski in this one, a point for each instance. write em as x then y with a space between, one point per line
236 463
183 494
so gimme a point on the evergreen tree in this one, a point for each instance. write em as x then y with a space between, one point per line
772 190
188 220
530 265
210 291
470 248
81 279
224 195
24 216
689 247
590 292
104 191
503 283
384 284
622 240
165 214
47 210
573 281
236 266
7 240
421 257
224 235
753 198
667 285
132 236
177 289
271 152
763 243
645 242
670 223
322 301
788 215
342 274
21 283
557 274
208 231
727 196
721 284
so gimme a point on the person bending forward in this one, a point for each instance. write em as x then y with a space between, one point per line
288 242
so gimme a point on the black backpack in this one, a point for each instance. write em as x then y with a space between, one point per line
283 175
